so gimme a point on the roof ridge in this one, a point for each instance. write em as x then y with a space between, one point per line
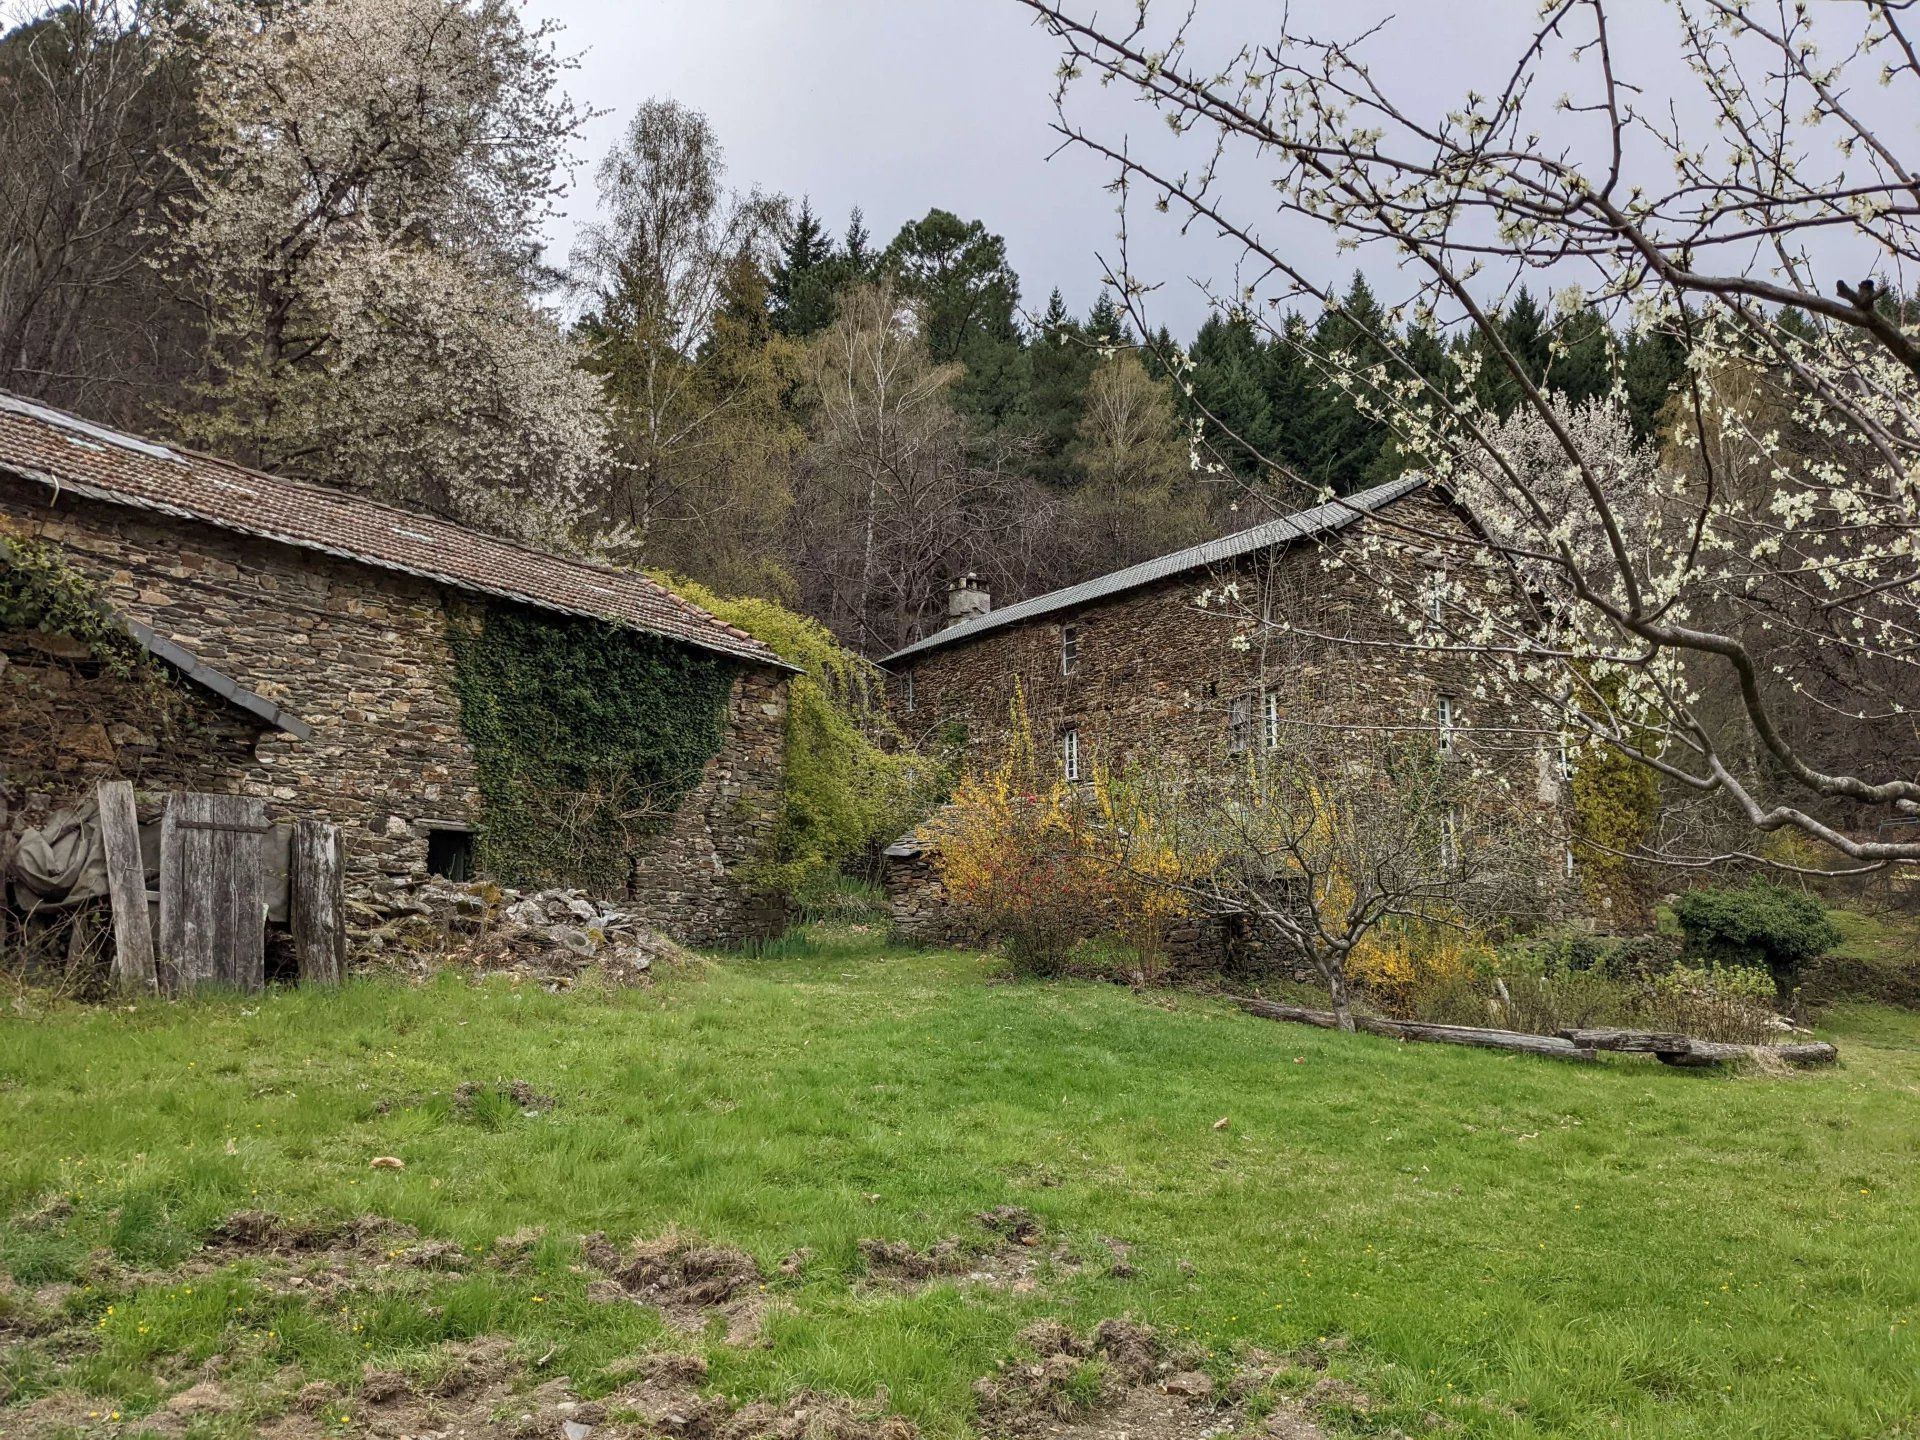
320 488
1333 513
356 508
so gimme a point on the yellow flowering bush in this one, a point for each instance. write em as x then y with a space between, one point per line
1040 865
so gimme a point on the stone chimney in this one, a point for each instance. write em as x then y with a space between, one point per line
966 598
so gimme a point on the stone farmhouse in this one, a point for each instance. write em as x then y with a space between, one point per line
1142 665
311 630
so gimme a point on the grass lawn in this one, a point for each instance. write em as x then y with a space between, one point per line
1512 1245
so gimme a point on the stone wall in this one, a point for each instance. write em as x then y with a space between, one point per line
361 655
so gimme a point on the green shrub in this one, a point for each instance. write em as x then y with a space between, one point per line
1759 924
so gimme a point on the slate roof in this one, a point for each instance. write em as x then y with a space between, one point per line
66 453
1323 519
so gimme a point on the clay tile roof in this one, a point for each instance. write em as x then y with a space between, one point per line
67 453
1324 519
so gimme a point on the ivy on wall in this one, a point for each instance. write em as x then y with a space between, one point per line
586 737
852 780
40 591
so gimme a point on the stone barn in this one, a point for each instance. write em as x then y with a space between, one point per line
1143 664
457 703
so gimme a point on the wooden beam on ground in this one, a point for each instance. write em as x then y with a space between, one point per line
1549 1045
318 902
1686 1051
133 967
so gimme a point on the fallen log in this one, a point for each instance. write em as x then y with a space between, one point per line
1712 1052
1685 1050
1637 1042
1551 1045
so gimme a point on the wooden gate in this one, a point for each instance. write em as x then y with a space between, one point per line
213 910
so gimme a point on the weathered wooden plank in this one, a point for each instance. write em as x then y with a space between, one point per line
1299 1014
212 892
133 967
1712 1052
1550 1045
1480 1038
1640 1042
318 902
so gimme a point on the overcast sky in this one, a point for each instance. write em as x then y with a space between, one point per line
901 105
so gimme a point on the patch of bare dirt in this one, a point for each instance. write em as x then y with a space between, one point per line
1010 1255
664 1393
524 1097
322 1259
1122 1382
686 1280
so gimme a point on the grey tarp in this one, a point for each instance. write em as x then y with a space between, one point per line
63 862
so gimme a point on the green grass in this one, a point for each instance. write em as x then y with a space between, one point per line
1520 1246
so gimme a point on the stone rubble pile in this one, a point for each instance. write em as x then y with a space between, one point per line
556 933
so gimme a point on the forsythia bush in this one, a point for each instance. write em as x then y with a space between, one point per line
1398 963
1040 867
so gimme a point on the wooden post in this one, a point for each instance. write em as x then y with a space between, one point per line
127 889
318 902
213 914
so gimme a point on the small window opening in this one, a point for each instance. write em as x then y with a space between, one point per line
1239 724
907 697
450 854
1070 753
1450 837
1446 714
1273 720
1069 648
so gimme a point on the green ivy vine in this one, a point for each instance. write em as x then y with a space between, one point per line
40 591
586 738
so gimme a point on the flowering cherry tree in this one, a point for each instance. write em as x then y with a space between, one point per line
1740 612
361 222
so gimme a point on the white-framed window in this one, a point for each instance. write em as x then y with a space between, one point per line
1450 837
1567 859
1270 731
907 698
1564 760
1070 753
1444 709
1069 648
1437 598
1239 724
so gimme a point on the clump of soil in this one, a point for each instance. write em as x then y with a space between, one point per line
664 1393
685 1280
900 1262
1011 1259
523 1096
322 1259
1012 1223
1122 1380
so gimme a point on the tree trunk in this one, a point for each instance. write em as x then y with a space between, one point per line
1339 994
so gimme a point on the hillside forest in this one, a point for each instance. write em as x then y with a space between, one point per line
840 415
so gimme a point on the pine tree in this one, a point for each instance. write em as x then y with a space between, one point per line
1656 360
805 278
1060 360
1583 370
1344 443
1229 386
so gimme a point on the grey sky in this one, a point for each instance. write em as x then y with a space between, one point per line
901 105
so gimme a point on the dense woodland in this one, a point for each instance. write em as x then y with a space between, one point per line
738 392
